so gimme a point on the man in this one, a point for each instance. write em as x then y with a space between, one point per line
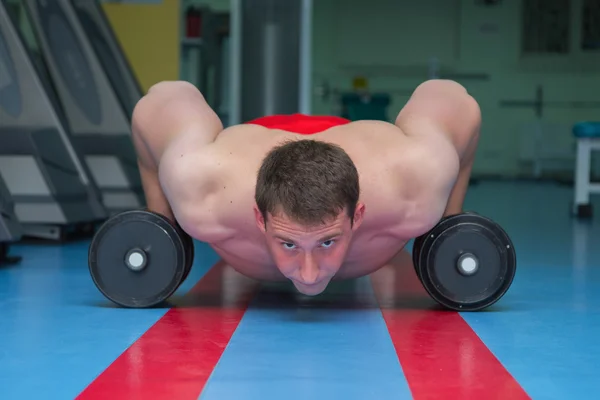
337 200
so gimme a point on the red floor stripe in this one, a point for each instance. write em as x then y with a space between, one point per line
175 357
441 356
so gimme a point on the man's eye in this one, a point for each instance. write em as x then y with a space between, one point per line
328 243
289 246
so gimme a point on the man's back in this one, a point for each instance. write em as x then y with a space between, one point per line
220 180
270 209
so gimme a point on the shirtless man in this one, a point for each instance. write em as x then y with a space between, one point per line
275 204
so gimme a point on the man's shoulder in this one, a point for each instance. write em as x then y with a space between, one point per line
404 182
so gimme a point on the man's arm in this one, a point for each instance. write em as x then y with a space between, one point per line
442 116
171 117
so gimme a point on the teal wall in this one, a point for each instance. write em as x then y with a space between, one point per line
391 42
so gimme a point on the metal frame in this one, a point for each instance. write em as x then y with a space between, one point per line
36 144
95 12
305 91
583 186
103 141
236 62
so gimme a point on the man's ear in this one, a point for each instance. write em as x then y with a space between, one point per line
260 220
359 213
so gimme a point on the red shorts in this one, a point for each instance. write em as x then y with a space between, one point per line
299 123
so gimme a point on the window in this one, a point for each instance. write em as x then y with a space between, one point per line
546 26
590 25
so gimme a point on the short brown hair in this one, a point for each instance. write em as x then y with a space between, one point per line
308 181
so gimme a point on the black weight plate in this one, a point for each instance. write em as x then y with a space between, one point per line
165 252
416 251
188 247
457 235
189 254
189 251
418 245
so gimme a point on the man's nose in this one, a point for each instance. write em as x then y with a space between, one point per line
309 271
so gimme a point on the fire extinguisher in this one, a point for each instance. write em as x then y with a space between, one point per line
193 21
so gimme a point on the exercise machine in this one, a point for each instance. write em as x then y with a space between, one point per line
99 125
11 230
101 36
40 168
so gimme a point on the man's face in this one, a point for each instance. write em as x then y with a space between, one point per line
309 255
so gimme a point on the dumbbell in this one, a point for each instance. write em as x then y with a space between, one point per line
466 262
139 258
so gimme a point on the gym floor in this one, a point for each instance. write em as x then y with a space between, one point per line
380 337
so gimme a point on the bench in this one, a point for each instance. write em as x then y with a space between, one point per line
587 135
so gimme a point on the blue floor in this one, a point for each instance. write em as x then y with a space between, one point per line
58 333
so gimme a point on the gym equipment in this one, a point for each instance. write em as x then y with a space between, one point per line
418 242
587 135
539 103
47 181
357 106
205 57
362 104
99 125
466 262
189 253
270 58
101 36
138 258
271 45
10 228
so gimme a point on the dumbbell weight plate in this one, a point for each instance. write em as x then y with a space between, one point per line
189 253
467 262
189 250
418 246
137 259
416 251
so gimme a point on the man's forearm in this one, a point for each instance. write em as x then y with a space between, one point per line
457 196
155 197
